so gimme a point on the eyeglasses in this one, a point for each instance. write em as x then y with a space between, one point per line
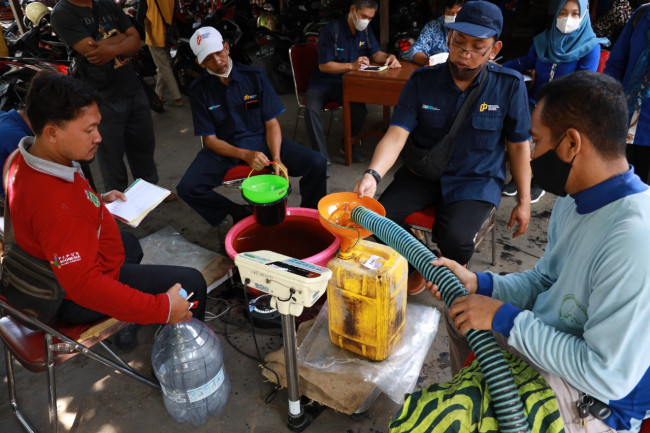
473 53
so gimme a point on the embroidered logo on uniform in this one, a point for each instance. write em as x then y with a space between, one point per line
247 97
361 43
430 107
212 107
487 107
93 198
65 259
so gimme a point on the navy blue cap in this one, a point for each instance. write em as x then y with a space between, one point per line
479 18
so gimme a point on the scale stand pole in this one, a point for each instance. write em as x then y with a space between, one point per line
297 420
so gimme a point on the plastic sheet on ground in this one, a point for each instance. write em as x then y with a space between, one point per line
395 375
168 247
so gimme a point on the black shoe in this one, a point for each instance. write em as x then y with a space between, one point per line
536 193
239 212
510 189
127 338
356 156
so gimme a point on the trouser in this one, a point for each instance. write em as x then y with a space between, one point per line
314 101
126 128
208 169
456 224
639 157
566 395
152 279
164 75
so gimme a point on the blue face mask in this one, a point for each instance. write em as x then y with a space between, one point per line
550 172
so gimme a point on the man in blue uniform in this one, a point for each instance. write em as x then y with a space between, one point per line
235 109
471 181
346 44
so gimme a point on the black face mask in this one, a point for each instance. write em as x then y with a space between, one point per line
550 172
464 74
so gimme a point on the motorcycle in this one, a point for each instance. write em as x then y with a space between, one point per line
273 51
17 73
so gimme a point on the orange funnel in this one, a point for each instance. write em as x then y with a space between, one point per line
335 211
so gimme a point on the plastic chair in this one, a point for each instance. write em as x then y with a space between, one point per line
422 221
304 58
39 347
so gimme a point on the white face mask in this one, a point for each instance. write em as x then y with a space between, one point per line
359 24
450 19
224 75
568 24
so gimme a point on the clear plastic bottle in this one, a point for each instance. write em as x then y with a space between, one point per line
188 361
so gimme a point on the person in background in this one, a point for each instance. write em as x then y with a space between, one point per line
235 110
100 38
157 16
471 182
608 17
433 37
58 217
345 44
629 62
579 317
570 45
14 125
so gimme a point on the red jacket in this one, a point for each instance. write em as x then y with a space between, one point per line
58 217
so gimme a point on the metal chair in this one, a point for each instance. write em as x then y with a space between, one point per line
39 347
422 221
304 58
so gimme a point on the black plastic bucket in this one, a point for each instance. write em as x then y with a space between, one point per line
270 214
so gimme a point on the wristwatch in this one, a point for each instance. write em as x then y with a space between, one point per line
374 174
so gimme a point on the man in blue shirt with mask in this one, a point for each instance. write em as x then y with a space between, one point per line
471 182
234 110
345 44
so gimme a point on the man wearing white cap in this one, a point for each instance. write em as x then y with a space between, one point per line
235 109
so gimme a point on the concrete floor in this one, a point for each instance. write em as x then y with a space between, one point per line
93 399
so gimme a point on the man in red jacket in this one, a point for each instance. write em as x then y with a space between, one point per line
58 217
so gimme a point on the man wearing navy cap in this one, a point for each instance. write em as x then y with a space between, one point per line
471 181
235 109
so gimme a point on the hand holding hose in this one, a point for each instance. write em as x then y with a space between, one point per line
467 278
474 312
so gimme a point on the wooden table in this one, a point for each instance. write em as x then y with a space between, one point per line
381 88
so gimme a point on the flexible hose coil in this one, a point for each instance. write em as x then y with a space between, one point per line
505 399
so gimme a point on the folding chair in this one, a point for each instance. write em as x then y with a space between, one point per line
422 221
39 347
304 58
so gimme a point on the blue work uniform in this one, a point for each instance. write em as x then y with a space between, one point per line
475 173
336 43
237 113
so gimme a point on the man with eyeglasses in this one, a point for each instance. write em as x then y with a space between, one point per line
345 44
471 181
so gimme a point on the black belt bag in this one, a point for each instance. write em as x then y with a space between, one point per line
430 163
28 283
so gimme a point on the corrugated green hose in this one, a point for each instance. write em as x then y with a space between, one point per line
507 404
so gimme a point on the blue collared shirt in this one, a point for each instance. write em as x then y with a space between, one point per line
427 107
432 39
235 113
346 48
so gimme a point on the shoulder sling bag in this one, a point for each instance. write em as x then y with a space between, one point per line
430 163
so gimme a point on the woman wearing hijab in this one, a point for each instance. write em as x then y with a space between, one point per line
569 45
629 63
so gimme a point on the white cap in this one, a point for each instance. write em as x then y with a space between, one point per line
205 41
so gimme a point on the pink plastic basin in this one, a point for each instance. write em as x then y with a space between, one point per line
300 235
